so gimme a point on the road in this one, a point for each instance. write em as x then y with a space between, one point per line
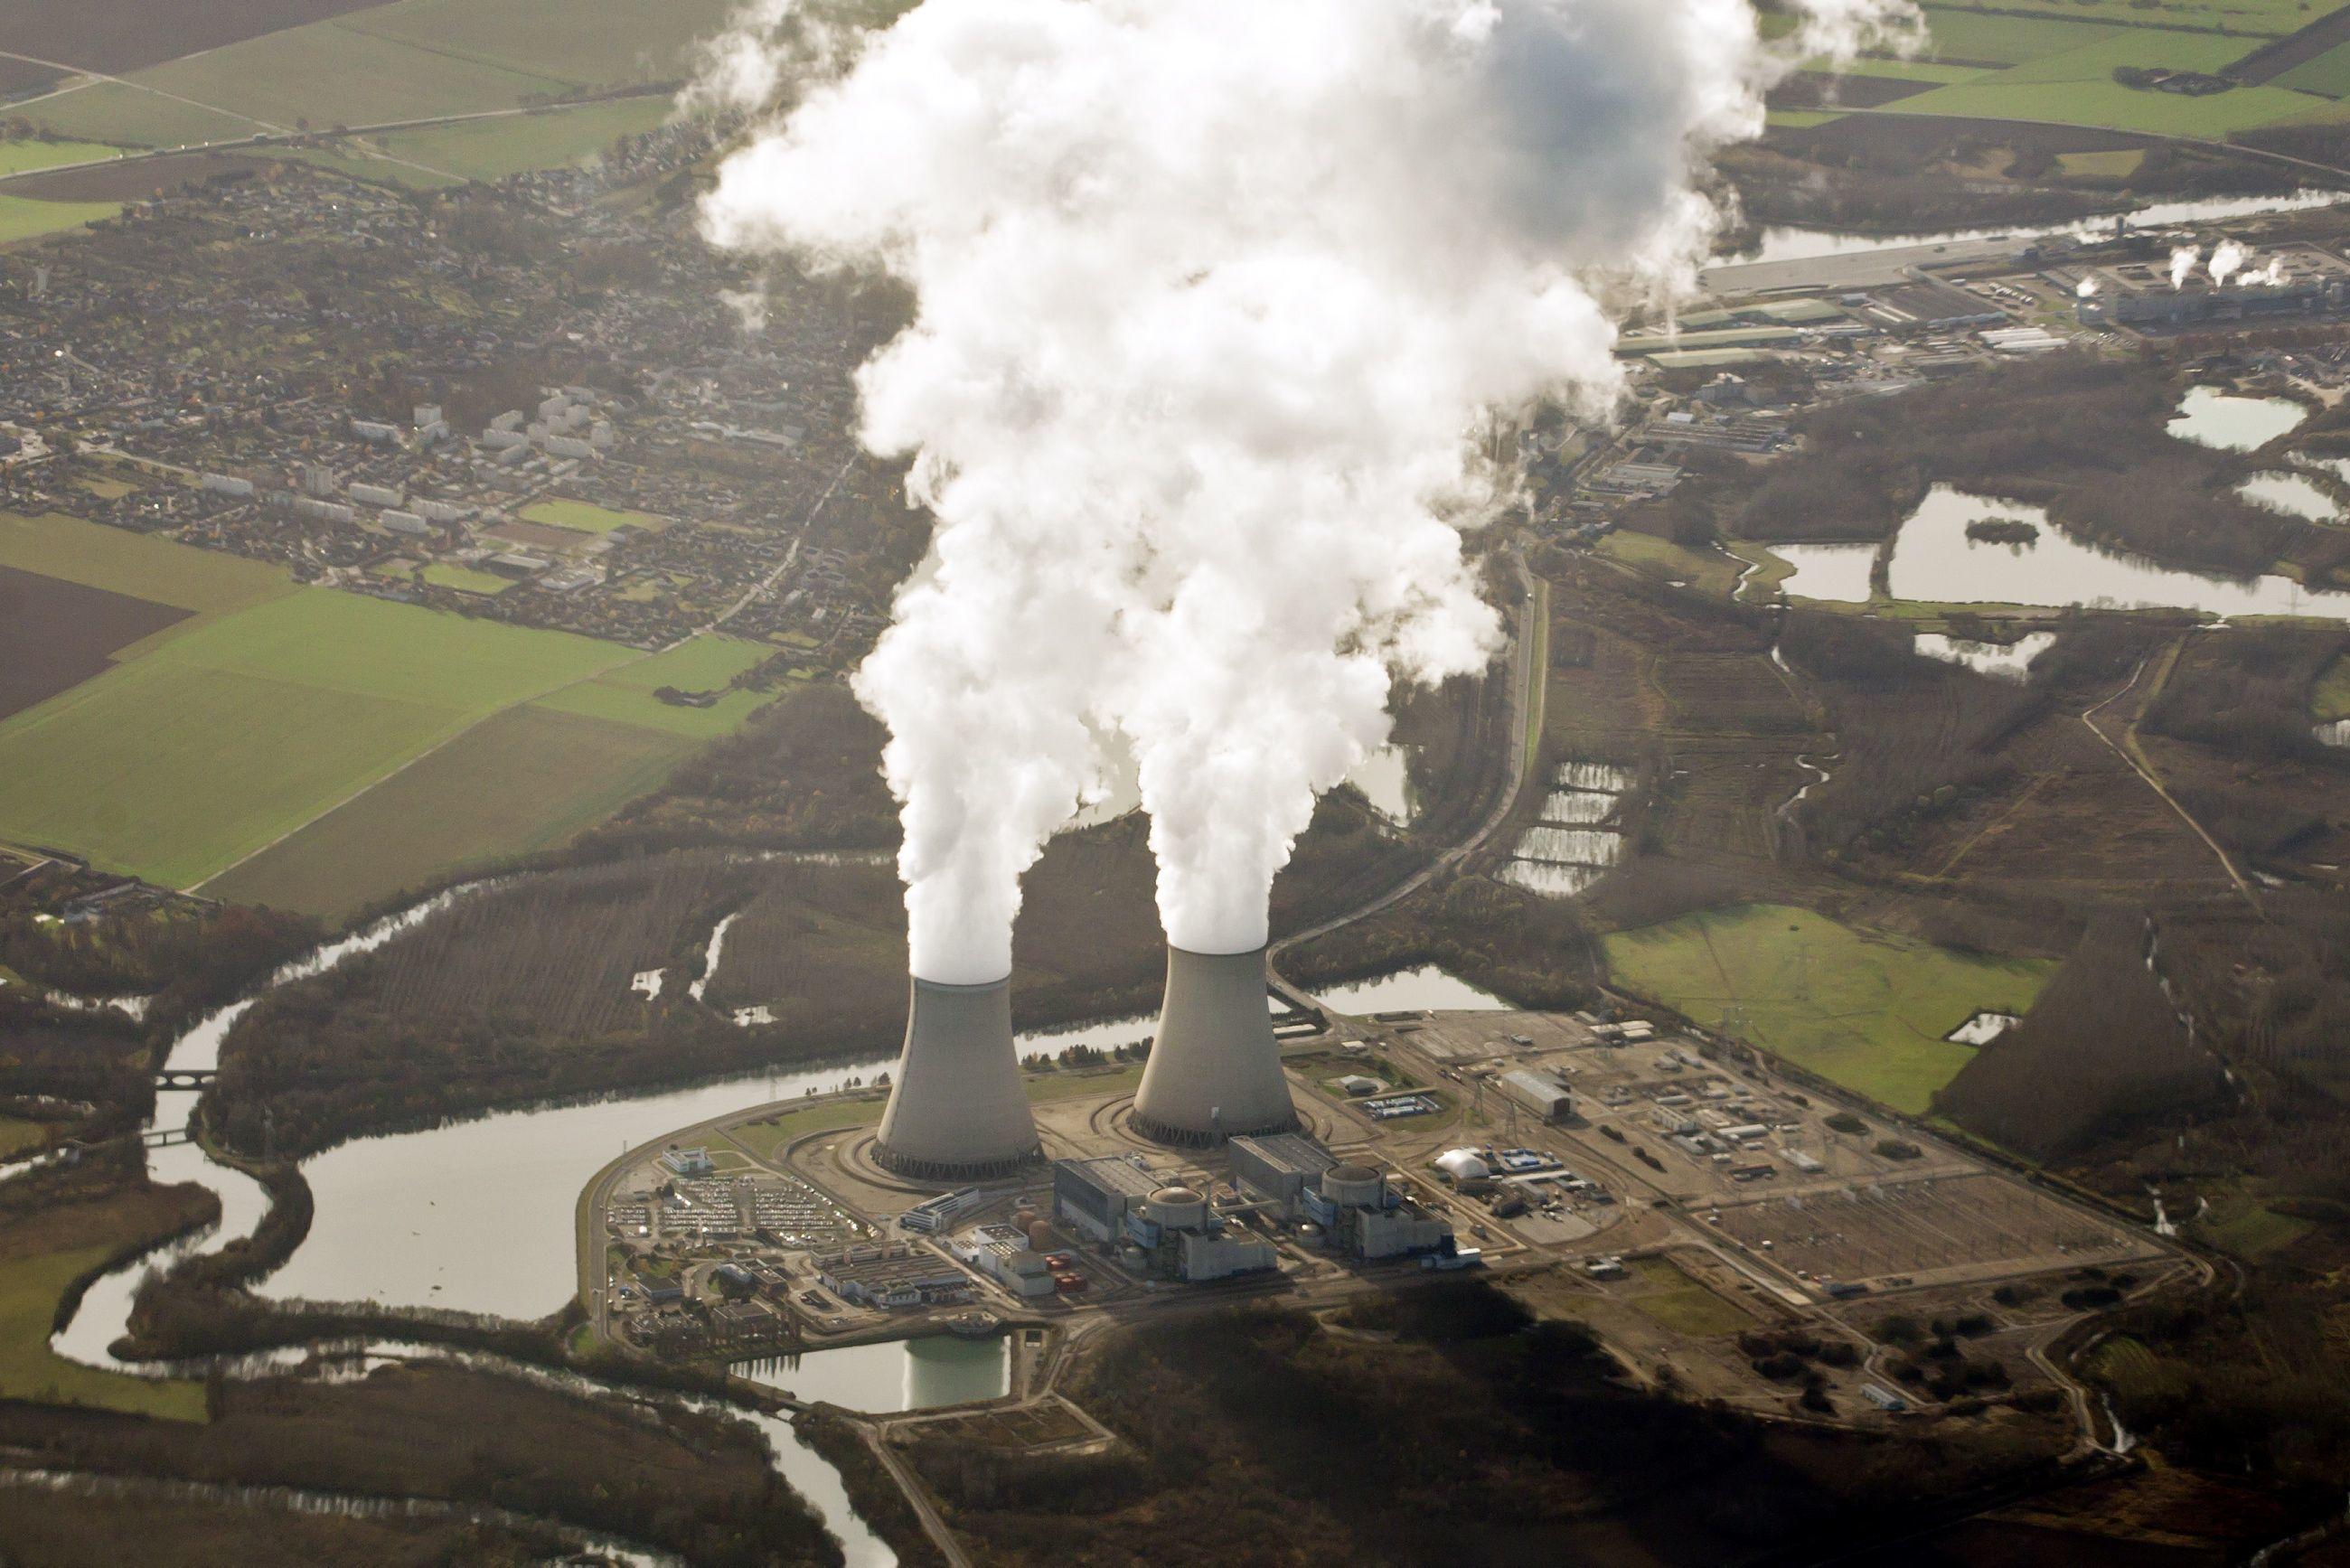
1529 664
2127 749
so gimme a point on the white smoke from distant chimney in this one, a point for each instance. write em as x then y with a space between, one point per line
2182 262
2086 287
2226 258
1211 298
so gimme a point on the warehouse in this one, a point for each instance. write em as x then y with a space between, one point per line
1538 1091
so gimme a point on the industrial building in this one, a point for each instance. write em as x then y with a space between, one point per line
1093 1197
958 1110
1539 1091
1004 1254
1214 1070
892 1277
1355 1208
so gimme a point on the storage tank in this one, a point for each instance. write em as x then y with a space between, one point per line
1352 1186
958 1110
1214 1069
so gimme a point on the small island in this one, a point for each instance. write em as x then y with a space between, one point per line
2004 531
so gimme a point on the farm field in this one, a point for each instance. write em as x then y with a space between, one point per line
23 157
1864 1009
512 144
138 564
1709 571
55 635
121 37
40 1258
24 218
412 60
2328 74
178 764
520 781
707 663
586 518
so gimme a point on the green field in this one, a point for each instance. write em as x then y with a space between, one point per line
2075 86
768 1139
512 144
582 517
412 60
1045 1088
176 764
706 664
30 1289
523 779
1681 1305
464 579
23 218
1863 1007
1957 33
2328 74
138 564
17 1135
1709 571
2240 1224
22 157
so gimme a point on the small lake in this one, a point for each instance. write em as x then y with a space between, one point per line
1835 572
1933 560
1427 988
2295 494
899 1375
2229 423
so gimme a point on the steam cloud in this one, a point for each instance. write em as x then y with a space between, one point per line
1213 297
2226 258
2182 262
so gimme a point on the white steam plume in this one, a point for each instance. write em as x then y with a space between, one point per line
2226 258
1212 298
2182 262
2086 288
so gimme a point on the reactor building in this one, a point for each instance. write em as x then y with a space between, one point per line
958 1110
1214 1069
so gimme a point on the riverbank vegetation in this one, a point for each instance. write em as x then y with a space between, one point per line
1520 1441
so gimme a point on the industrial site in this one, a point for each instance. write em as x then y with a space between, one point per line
1653 1175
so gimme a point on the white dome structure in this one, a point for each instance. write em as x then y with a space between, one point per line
1464 1164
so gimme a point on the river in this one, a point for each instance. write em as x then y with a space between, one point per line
1785 243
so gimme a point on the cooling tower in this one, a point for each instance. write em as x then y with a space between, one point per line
958 1111
1214 1070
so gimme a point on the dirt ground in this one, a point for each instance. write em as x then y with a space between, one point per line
55 635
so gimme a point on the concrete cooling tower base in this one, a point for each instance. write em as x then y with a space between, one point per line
1214 1070
958 1111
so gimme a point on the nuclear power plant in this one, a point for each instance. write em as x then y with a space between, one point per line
958 1110
1214 1070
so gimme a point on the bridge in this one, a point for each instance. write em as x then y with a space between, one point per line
165 1137
186 1078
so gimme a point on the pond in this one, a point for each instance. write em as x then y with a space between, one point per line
1933 560
2295 494
1427 989
895 1375
1836 572
2229 423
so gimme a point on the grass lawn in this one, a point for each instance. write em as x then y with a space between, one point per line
523 779
769 1139
40 1258
2329 700
705 664
1674 1300
179 762
2240 1224
584 517
1068 1085
23 157
1865 1009
23 218
1709 571
464 579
